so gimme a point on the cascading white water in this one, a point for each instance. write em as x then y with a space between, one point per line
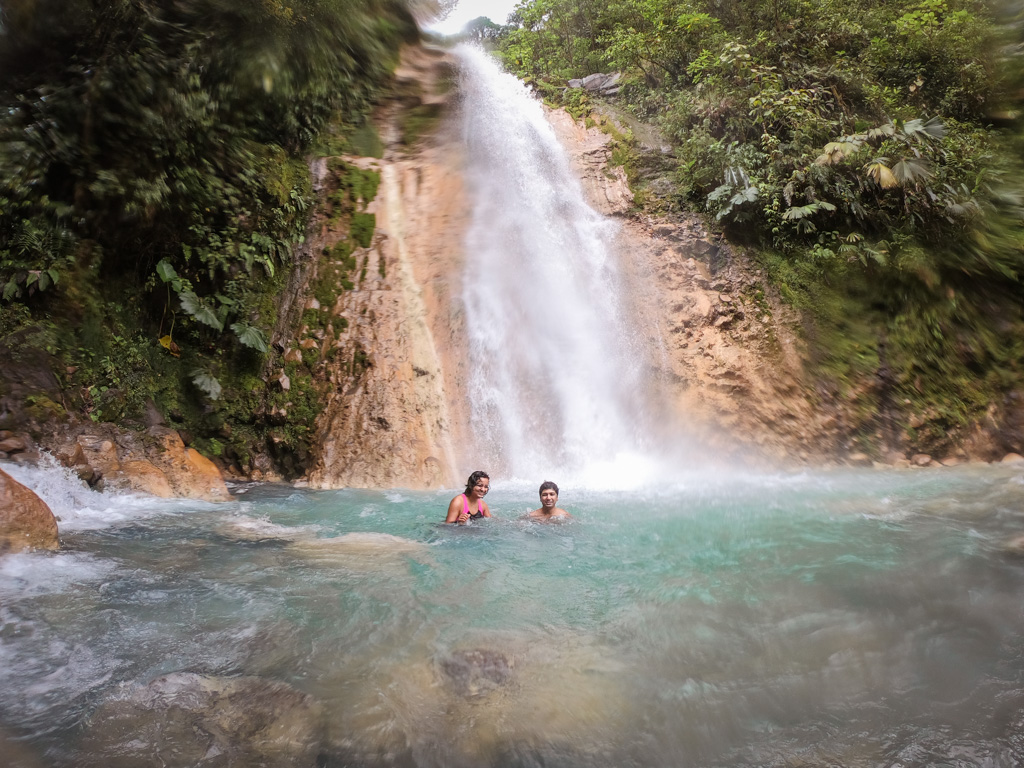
555 380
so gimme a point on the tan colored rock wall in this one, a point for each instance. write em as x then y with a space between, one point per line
394 422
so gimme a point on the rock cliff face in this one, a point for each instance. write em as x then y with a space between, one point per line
395 392
732 359
385 357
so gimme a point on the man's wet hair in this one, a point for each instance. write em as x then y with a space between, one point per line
548 485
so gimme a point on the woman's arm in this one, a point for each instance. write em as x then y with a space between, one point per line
484 508
455 514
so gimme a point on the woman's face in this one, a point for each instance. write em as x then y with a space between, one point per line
548 498
483 485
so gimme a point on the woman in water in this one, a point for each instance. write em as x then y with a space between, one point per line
470 504
548 501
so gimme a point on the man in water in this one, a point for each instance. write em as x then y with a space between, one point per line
548 504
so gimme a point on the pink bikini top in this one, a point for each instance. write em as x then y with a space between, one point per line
465 509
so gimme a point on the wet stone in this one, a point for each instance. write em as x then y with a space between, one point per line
188 719
14 444
476 672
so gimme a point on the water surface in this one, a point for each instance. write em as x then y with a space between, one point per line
823 618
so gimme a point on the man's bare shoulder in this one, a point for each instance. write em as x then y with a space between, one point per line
539 514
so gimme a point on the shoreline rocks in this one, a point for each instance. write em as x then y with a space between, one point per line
26 522
155 462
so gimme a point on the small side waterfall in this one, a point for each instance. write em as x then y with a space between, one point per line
556 381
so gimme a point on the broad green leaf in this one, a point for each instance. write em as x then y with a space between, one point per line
720 193
799 212
251 336
165 270
200 310
911 170
920 129
747 195
881 132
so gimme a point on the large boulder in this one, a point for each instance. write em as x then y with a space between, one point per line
140 475
25 520
202 479
155 462
99 452
190 474
599 83
189 719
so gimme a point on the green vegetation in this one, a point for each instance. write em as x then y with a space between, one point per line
866 151
154 187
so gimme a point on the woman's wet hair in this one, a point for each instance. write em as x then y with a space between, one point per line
475 478
547 485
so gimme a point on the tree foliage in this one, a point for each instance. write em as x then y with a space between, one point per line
154 183
147 133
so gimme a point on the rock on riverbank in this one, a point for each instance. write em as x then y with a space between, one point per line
25 520
104 456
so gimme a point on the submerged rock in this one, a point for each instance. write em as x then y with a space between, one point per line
476 672
188 719
26 522
18 754
1014 546
360 551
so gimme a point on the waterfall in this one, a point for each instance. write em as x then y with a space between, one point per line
555 373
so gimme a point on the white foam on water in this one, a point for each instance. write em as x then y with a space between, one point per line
78 507
31 574
52 674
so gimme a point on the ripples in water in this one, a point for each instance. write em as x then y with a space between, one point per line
843 618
